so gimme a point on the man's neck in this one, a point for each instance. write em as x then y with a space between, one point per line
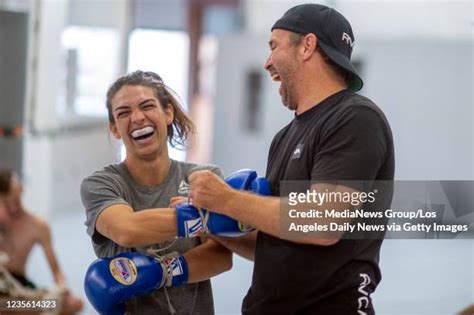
317 82
314 95
20 213
149 173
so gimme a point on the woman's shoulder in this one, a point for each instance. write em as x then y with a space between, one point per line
189 167
110 173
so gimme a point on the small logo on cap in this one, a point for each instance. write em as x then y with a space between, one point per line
347 39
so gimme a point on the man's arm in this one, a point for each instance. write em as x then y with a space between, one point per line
130 229
263 213
47 244
243 246
207 260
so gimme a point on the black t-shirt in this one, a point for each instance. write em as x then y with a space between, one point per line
345 137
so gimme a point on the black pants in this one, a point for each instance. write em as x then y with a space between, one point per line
24 281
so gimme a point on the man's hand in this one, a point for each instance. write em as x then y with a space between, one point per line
207 190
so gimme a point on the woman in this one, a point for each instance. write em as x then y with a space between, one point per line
129 206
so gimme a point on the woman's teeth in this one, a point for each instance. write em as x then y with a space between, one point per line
143 132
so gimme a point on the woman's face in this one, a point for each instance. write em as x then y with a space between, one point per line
141 122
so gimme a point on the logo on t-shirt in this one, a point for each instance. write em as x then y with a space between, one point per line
183 188
298 150
364 300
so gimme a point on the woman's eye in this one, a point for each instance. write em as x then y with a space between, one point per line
122 114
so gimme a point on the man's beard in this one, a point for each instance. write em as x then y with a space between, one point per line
287 85
287 96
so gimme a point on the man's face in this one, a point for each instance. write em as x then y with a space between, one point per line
4 217
13 198
283 66
4 212
140 121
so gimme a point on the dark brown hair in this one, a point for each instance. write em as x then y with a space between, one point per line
181 127
297 38
5 180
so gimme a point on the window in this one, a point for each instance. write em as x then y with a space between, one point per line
166 53
92 60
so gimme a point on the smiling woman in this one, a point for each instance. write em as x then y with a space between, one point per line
153 86
130 207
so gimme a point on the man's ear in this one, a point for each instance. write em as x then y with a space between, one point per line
310 41
169 112
113 129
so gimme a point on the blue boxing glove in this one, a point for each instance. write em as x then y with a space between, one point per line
245 179
111 281
191 221
222 225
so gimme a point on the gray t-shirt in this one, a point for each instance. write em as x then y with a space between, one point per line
114 185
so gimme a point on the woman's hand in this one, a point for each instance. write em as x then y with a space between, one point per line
177 200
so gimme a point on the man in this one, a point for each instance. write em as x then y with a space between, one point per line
336 135
4 216
21 231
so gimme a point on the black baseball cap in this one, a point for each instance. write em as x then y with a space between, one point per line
335 37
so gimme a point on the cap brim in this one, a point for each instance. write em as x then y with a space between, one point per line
355 83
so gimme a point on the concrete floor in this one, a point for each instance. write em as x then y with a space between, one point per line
419 276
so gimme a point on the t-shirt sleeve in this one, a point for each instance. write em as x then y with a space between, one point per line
352 148
216 170
98 192
208 167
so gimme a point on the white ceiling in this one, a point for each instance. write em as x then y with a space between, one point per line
370 19
381 19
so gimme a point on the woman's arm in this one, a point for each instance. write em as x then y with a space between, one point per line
130 229
207 260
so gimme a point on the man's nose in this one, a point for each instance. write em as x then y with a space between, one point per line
268 63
